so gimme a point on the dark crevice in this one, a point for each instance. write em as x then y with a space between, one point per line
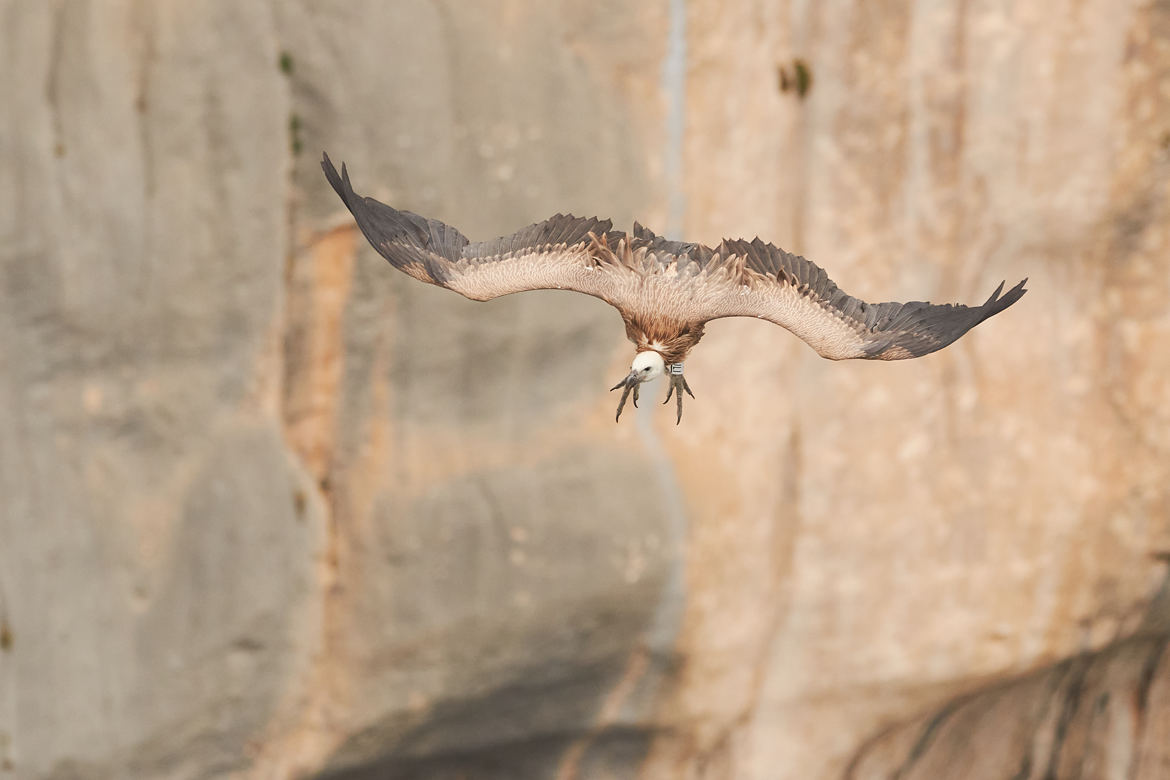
928 735
143 21
1146 681
53 78
6 636
1142 699
1072 701
319 694
284 65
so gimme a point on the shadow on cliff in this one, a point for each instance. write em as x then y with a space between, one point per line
1075 718
515 731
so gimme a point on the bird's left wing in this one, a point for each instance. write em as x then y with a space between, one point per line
797 294
551 255
754 279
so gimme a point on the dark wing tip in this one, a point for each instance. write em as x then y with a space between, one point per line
996 303
919 328
411 243
340 183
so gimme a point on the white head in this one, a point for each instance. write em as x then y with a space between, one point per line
647 365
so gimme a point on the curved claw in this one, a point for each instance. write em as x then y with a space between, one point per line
678 385
629 383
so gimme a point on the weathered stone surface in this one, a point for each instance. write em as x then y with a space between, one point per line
1105 714
158 536
269 509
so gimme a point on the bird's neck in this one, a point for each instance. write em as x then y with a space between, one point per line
671 339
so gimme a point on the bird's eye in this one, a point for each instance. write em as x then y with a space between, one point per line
647 368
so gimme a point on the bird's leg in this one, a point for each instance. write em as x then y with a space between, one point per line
629 383
678 384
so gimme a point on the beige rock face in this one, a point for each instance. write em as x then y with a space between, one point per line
269 509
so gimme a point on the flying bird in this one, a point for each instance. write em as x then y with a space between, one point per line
666 291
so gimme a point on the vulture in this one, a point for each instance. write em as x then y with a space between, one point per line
666 291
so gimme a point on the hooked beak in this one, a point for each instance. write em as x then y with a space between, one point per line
631 382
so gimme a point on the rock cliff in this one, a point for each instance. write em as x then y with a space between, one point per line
269 509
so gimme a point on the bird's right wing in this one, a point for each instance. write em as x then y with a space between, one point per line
552 255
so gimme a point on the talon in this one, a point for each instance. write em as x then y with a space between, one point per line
621 403
636 394
678 385
628 384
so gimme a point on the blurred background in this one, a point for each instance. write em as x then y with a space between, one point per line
270 509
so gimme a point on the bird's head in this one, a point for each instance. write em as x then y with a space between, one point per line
646 366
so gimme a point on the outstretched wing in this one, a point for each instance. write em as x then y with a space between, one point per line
797 294
550 255
650 278
753 279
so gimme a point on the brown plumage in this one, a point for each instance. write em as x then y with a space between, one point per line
666 291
